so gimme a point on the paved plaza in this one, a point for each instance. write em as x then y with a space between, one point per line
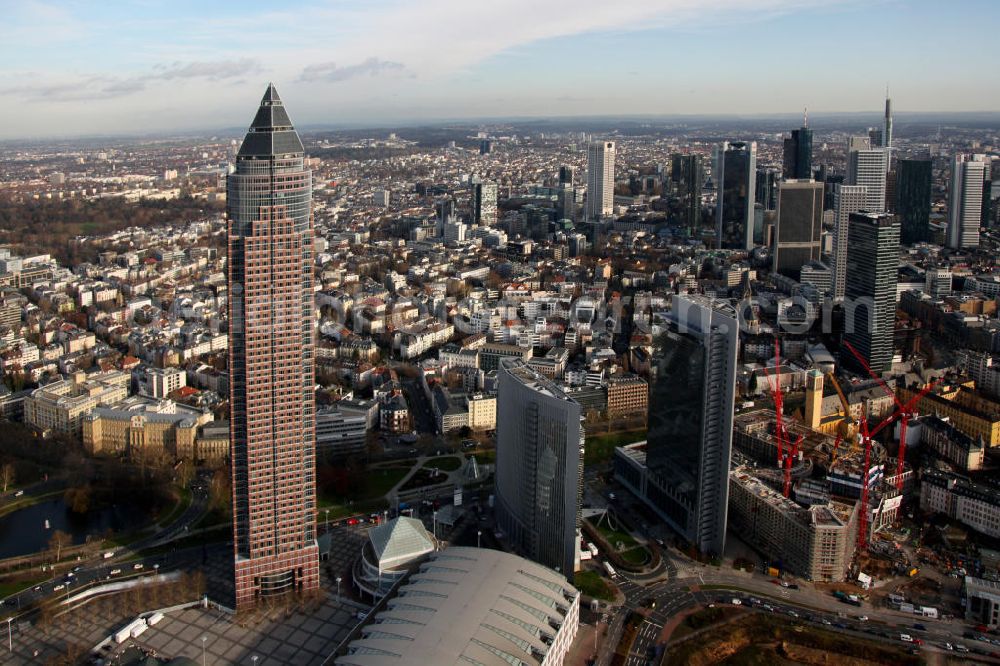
303 633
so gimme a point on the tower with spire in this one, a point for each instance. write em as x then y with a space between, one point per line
271 362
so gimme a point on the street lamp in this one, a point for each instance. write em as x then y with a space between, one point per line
203 640
254 659
479 538
338 588
327 525
435 524
10 636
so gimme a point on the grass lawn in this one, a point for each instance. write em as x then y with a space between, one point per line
182 504
599 448
487 457
591 584
444 463
615 537
637 555
377 482
212 518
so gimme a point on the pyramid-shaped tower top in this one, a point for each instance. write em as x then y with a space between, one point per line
271 132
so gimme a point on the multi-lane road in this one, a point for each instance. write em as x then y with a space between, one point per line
665 598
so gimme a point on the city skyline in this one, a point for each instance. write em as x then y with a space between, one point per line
344 63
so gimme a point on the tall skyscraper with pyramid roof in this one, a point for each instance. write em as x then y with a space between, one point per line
271 363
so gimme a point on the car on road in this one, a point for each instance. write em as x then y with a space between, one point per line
19 493
862 618
960 648
137 566
58 587
793 613
947 646
919 627
906 638
115 572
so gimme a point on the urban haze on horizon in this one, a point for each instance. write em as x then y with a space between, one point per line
546 334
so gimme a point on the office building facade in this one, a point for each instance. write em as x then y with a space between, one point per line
870 294
735 181
691 420
965 200
798 232
484 203
687 176
600 180
867 166
913 200
797 162
847 199
539 467
271 362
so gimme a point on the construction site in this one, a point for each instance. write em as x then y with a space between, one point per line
821 487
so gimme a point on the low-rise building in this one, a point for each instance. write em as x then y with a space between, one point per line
60 407
973 504
339 433
951 444
627 395
982 601
392 550
141 427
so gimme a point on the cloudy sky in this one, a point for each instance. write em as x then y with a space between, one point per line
78 67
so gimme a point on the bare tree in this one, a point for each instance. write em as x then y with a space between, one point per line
7 475
58 541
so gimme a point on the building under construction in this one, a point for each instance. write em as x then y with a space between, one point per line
816 542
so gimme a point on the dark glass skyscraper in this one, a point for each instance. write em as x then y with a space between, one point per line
687 176
798 150
539 467
735 180
913 200
767 187
271 364
872 274
691 420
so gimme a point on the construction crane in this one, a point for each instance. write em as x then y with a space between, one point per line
845 429
787 451
903 412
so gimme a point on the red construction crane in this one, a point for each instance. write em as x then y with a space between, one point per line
787 451
865 512
789 461
903 412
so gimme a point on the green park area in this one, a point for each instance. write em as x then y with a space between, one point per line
600 448
593 585
444 463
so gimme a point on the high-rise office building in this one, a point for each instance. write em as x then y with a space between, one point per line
735 181
913 200
539 467
767 188
600 180
566 202
271 364
965 200
875 137
867 166
485 147
687 176
798 233
567 175
797 161
847 199
484 203
691 420
870 296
